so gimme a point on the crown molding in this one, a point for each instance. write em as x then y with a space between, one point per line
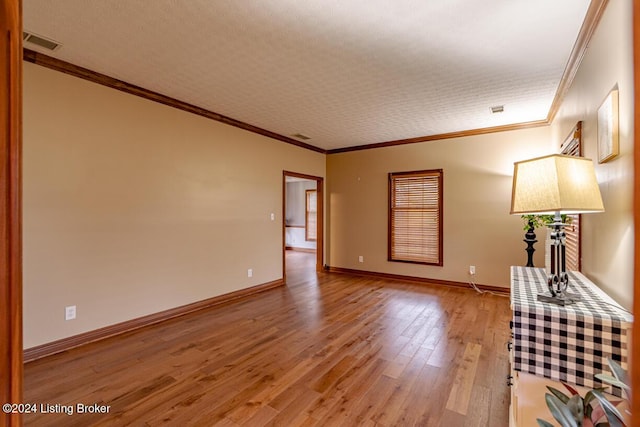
459 134
592 18
591 21
102 79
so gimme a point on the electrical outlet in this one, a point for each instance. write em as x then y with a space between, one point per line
273 217
472 270
70 312
360 258
250 272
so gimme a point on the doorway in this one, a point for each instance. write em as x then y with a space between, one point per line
302 221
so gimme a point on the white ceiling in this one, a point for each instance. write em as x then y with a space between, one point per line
344 72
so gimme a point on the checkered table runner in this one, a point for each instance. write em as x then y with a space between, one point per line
570 343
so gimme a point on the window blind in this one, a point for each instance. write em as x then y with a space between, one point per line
415 217
573 147
311 215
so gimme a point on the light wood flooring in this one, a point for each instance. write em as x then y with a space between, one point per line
328 349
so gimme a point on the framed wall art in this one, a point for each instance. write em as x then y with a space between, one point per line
608 144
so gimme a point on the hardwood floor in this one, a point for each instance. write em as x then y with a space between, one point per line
328 349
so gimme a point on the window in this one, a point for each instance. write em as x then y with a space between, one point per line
573 147
415 217
311 214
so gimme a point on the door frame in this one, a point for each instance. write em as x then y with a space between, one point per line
635 354
11 371
320 228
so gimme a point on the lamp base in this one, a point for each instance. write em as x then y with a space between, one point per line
564 299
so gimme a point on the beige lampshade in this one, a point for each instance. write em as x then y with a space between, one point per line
554 183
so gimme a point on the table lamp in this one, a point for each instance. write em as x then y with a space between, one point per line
556 184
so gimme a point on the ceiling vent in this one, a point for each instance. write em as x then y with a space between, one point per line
40 41
497 109
301 136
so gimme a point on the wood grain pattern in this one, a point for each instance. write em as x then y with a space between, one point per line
64 344
460 395
10 208
390 276
328 349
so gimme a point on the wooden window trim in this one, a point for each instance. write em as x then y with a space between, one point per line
440 179
572 146
307 237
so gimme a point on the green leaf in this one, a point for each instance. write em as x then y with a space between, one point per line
557 393
606 378
560 412
613 415
543 423
619 373
576 407
589 396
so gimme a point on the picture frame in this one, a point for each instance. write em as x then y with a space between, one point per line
608 138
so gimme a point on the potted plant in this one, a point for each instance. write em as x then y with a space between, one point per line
531 222
537 221
592 410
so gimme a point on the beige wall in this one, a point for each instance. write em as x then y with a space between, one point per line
478 229
132 207
608 237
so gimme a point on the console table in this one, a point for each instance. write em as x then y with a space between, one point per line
552 343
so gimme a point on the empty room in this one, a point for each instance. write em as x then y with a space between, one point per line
320 213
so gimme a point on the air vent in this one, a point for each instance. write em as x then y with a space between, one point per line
497 109
43 42
301 136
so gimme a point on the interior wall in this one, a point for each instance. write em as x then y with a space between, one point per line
132 207
296 204
607 238
296 201
478 229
